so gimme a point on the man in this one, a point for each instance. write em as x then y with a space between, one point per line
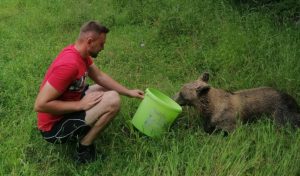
69 109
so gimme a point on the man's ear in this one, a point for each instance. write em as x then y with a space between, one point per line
204 77
89 40
201 90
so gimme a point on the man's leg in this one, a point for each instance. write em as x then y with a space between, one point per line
101 114
98 117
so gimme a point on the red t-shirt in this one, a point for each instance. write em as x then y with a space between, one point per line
67 75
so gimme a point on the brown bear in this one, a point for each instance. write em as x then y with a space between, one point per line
222 109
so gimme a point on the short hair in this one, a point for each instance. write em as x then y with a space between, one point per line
93 26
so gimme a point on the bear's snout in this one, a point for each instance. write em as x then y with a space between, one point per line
179 99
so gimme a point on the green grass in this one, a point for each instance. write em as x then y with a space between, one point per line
242 46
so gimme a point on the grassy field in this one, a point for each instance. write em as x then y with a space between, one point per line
159 44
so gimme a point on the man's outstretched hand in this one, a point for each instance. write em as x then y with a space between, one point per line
135 93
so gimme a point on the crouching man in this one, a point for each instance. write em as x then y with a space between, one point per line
68 109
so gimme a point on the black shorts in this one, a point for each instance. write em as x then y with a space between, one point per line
70 128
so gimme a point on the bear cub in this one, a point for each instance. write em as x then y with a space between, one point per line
222 109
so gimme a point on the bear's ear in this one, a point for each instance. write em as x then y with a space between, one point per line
204 77
201 90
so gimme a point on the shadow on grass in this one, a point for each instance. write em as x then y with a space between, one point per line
281 11
44 156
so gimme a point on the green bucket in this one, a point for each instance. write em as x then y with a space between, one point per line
156 113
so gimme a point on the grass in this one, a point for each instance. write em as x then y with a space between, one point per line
241 45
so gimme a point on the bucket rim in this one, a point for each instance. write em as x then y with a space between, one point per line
178 108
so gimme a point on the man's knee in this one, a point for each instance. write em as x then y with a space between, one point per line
112 107
113 99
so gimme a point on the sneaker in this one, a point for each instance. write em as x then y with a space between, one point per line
85 155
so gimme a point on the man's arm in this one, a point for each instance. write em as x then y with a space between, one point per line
47 102
107 82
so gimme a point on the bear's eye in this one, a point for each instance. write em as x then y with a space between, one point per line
181 95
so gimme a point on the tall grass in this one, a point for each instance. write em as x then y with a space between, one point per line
160 44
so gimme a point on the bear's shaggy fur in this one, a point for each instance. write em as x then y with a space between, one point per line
222 109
